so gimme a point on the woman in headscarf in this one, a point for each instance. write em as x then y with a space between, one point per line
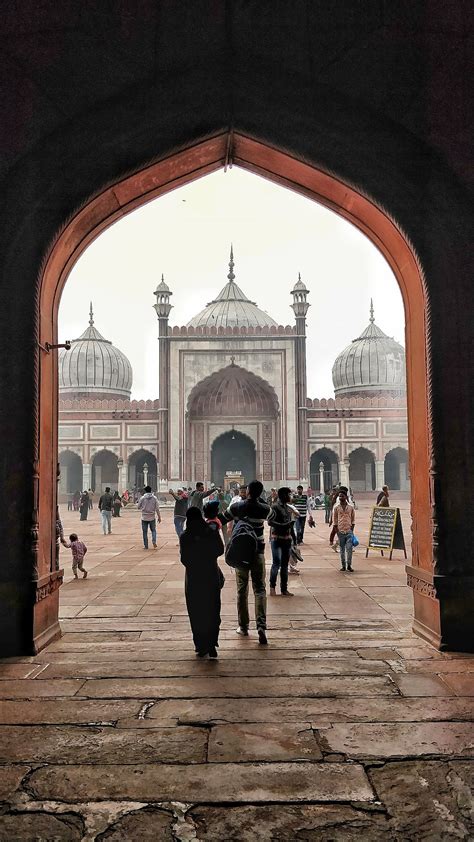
200 546
84 505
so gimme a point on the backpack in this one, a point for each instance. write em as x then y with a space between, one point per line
241 551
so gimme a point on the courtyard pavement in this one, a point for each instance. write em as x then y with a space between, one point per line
346 726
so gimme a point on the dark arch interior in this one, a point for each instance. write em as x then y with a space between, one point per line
104 471
362 470
233 452
396 469
71 473
331 468
136 473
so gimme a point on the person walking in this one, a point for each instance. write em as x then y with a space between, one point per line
281 523
79 550
148 505
301 502
197 496
344 520
105 508
180 508
116 505
84 505
91 497
200 546
327 507
383 498
255 512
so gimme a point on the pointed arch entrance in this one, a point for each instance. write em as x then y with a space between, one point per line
161 177
233 453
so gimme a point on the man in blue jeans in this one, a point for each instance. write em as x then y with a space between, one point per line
148 504
344 520
180 509
281 522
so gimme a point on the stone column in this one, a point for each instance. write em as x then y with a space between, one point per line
163 309
86 475
379 474
123 477
300 307
344 472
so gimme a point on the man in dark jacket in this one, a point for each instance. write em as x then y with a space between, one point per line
254 511
280 520
197 496
105 507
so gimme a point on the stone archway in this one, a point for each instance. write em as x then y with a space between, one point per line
282 168
105 471
233 452
71 474
330 461
136 473
361 470
396 470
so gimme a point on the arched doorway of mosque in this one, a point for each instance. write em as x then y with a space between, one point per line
331 468
396 469
362 469
105 471
142 470
70 480
233 453
353 206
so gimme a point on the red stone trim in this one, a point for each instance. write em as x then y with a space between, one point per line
47 585
421 586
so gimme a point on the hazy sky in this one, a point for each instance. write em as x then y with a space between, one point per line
186 235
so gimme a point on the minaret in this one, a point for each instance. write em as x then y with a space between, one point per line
300 307
163 309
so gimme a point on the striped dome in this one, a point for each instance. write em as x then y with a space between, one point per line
94 367
371 363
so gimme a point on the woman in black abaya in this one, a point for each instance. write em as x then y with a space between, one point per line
200 546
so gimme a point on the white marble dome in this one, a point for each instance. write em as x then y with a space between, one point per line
231 308
371 363
94 367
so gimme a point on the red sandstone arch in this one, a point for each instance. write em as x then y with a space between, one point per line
198 160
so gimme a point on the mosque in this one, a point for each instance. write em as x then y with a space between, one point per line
233 405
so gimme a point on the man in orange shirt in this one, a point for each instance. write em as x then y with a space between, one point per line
344 520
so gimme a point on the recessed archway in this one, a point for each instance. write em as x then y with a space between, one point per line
105 471
233 453
194 162
396 469
71 474
142 465
362 470
331 468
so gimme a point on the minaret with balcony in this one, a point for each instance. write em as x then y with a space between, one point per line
300 308
163 309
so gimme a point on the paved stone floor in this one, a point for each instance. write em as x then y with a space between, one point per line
346 726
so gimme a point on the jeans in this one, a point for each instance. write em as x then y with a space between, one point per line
280 557
179 525
152 525
257 572
106 516
300 524
327 515
345 548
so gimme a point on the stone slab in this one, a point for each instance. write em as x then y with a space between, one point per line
10 779
287 823
215 687
147 825
50 712
30 689
265 741
400 739
323 710
427 800
422 685
42 827
74 744
209 783
224 667
461 685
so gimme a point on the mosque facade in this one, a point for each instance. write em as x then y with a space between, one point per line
233 405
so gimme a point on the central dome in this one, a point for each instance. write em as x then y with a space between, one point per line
232 392
232 308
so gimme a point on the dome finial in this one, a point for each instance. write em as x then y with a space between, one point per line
372 320
231 275
91 315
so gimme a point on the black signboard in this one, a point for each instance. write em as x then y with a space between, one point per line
386 531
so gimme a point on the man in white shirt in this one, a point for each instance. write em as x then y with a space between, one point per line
148 504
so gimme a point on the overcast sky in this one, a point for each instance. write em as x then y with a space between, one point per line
186 235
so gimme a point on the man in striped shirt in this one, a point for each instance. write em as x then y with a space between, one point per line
301 502
255 512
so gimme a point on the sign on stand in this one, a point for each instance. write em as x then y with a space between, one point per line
386 531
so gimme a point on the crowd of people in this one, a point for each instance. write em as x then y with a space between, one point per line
213 522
